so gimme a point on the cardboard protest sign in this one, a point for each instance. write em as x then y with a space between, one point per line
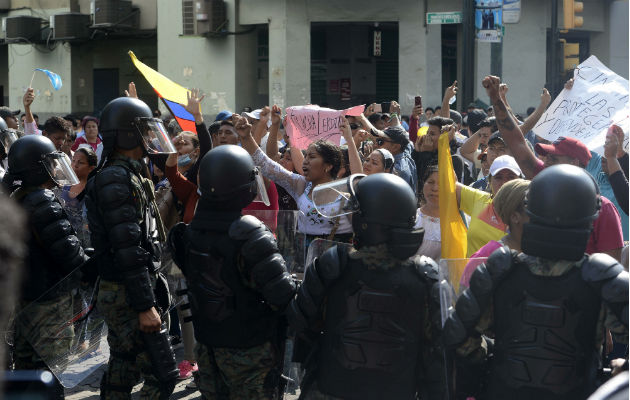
599 98
308 124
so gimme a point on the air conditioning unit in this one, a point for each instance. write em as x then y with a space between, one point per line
114 13
203 17
23 28
70 26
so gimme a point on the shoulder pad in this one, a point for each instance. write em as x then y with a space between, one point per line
330 264
111 174
499 263
39 196
177 244
243 227
599 267
427 268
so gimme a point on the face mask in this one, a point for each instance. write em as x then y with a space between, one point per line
183 161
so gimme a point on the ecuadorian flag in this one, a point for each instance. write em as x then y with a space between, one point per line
173 95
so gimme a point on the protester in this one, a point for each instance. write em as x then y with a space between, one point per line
428 215
485 224
91 137
380 160
606 236
321 165
84 161
509 204
9 117
613 167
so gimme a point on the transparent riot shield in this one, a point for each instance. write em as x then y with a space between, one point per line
292 370
65 330
454 277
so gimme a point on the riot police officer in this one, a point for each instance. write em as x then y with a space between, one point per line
371 315
546 307
237 281
54 251
126 231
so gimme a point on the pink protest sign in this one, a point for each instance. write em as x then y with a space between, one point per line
308 124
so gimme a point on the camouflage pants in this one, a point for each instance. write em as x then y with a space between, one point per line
227 373
42 336
128 361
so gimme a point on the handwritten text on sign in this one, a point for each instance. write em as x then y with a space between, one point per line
308 124
599 98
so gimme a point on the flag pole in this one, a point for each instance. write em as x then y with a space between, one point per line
30 85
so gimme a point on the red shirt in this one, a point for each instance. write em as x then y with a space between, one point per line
267 214
184 190
607 233
83 140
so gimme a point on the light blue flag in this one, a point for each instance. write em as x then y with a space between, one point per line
55 79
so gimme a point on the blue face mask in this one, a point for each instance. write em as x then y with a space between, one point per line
183 161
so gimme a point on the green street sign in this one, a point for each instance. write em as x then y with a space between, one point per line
450 17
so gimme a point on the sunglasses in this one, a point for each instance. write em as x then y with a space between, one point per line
381 141
354 126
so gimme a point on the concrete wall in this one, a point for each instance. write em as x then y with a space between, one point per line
618 37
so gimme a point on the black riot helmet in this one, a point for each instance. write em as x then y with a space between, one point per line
562 202
384 208
34 160
127 123
229 180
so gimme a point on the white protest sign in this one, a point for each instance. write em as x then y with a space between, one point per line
599 98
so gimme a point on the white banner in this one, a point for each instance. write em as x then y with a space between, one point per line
598 99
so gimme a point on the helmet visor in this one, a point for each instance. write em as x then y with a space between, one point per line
336 198
154 136
8 137
60 169
261 191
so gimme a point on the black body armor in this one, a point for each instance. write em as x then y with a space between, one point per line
54 250
237 280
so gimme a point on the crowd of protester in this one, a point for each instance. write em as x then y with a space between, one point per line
493 167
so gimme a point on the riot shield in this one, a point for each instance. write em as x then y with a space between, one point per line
292 370
65 330
454 275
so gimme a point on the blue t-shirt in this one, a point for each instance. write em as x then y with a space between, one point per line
594 168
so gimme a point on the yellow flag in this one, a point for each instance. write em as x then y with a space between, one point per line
452 228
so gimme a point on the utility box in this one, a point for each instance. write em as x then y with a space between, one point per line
70 26
204 17
114 13
23 28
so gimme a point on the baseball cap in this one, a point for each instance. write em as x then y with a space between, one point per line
6 112
223 115
505 162
396 134
474 118
256 115
496 136
566 146
455 116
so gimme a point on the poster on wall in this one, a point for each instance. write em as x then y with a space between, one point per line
346 89
511 11
489 20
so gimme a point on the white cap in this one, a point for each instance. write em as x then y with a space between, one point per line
505 162
256 115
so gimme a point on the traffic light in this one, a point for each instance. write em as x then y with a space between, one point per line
570 19
571 55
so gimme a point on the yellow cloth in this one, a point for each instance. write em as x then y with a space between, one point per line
485 224
165 87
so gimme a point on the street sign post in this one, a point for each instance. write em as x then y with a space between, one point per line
450 17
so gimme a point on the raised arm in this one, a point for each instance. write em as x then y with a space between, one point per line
470 146
272 142
532 120
356 167
414 118
509 129
293 183
450 92
261 126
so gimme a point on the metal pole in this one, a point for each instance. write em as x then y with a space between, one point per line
553 49
468 53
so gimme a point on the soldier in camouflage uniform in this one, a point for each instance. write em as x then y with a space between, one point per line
237 282
547 308
126 231
54 252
